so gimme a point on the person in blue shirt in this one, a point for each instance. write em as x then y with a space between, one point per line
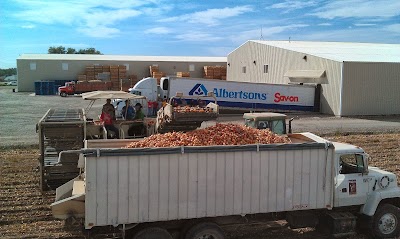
127 111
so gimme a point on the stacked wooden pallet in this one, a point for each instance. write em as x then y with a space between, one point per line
82 78
156 73
215 72
153 69
90 73
183 74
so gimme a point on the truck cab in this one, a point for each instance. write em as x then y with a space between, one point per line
67 89
274 121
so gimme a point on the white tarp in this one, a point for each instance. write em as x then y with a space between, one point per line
94 95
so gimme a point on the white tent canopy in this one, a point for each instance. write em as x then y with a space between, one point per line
95 95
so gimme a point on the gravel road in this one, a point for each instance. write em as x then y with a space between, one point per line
19 113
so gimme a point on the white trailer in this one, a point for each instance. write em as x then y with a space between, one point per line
196 189
235 95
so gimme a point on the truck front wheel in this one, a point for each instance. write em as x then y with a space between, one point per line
205 230
385 222
63 94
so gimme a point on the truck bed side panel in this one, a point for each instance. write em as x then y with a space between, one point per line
147 187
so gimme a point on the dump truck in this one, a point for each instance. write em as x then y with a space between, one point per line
244 96
189 116
194 190
72 87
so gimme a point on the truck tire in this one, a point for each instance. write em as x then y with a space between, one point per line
153 233
63 94
205 230
386 221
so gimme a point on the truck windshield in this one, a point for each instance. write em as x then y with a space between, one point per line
249 123
278 127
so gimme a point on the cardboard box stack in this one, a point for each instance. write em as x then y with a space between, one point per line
215 72
183 74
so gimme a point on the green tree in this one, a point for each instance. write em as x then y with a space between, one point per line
90 50
57 50
71 50
61 50
8 72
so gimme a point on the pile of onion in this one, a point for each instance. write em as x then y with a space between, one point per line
219 134
197 109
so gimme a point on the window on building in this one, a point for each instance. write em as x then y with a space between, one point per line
243 69
64 66
33 66
265 68
191 67
127 66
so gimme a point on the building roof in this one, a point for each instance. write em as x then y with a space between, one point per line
342 51
87 57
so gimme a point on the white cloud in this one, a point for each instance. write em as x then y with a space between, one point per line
358 9
197 37
364 24
88 16
267 32
100 31
325 24
210 17
158 30
28 26
290 5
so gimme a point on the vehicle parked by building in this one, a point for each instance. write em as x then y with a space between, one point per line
309 182
235 95
72 87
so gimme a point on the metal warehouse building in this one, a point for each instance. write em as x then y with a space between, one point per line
356 78
43 67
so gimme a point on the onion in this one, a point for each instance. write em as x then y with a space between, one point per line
219 134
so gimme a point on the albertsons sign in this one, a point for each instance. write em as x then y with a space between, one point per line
201 90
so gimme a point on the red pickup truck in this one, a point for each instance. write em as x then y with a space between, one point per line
72 88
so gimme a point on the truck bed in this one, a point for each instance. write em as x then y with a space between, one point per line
139 185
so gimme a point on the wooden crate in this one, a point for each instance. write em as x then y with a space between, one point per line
183 74
153 69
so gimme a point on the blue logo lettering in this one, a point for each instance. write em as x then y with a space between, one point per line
198 89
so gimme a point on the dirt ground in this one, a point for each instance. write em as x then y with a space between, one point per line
25 212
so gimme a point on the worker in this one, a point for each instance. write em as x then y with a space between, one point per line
137 128
138 112
109 108
127 111
107 120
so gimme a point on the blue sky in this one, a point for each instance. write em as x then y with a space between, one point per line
187 28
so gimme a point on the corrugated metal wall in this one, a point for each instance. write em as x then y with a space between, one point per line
371 88
279 61
52 69
131 189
